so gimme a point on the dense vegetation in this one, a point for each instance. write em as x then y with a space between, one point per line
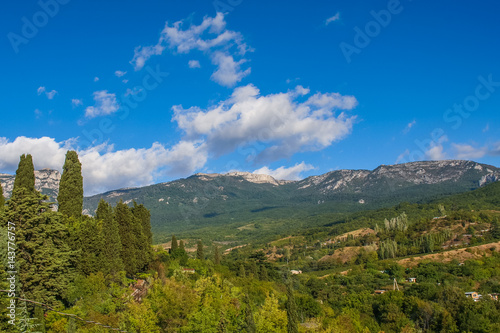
405 268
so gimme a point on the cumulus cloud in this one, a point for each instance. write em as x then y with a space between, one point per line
105 104
284 173
464 151
46 152
278 122
194 64
96 79
334 18
210 37
103 168
120 73
50 94
76 102
228 72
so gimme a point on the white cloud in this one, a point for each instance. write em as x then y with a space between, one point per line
228 72
409 127
436 150
486 128
46 152
210 37
96 79
103 168
436 153
334 18
194 64
134 91
284 173
76 102
125 81
120 73
38 113
284 125
50 94
464 151
105 103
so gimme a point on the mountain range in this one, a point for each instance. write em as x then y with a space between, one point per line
206 200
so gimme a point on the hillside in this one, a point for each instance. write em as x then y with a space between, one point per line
211 200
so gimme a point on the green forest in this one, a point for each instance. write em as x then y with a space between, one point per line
426 267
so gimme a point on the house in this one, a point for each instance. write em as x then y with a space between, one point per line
188 270
380 292
494 296
411 280
295 272
474 295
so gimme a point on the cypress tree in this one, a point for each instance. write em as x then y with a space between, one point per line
173 245
181 246
90 244
43 254
144 235
70 197
249 321
25 175
291 310
112 261
199 251
217 256
125 221
2 198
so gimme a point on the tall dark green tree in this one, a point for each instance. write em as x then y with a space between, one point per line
112 261
125 220
70 197
199 251
2 198
43 254
216 255
90 245
174 245
291 310
144 235
25 176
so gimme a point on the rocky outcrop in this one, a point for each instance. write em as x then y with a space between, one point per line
46 182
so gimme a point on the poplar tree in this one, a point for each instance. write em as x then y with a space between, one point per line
199 251
112 261
25 175
291 310
70 197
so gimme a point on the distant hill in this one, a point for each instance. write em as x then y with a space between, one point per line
207 200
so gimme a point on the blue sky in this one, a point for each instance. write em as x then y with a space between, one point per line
151 91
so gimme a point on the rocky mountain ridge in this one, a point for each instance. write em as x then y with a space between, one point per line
46 182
